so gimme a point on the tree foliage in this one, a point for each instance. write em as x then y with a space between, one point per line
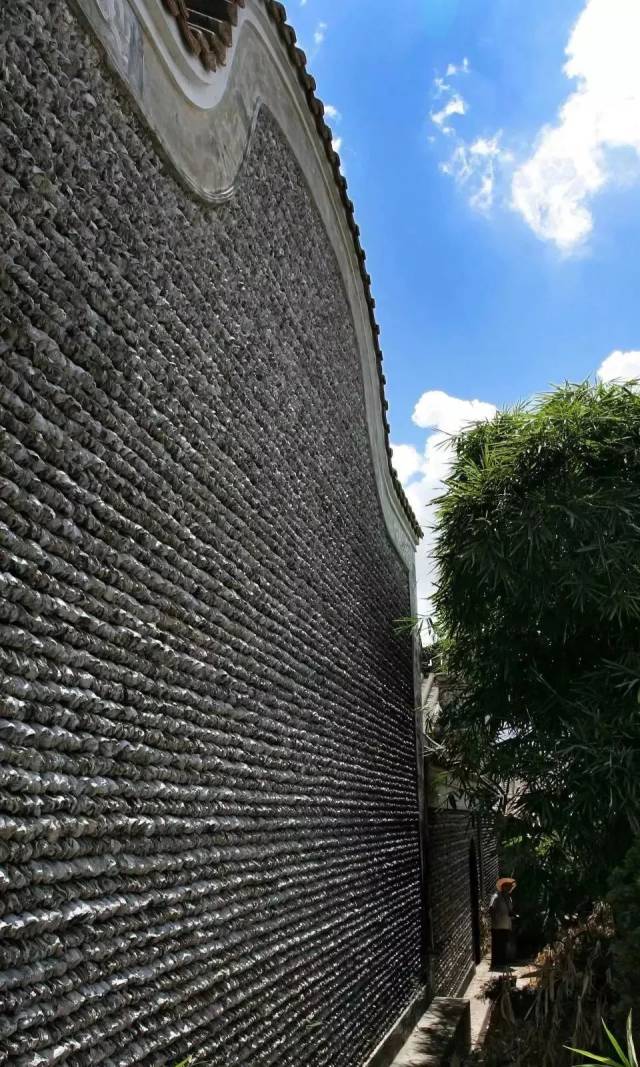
538 617
624 899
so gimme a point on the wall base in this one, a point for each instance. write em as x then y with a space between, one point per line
384 1053
442 1037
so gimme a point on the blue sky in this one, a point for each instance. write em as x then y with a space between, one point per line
492 150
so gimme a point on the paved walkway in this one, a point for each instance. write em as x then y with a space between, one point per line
480 1008
418 1051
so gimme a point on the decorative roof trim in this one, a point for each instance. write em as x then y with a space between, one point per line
206 27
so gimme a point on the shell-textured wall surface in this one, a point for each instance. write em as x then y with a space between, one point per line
490 860
451 833
208 814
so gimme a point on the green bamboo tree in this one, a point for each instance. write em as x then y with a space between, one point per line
538 619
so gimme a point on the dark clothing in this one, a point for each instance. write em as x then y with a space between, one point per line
499 948
501 909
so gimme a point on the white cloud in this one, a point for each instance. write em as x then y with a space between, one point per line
462 68
444 415
407 461
482 199
573 159
457 166
457 105
478 165
440 86
319 33
439 411
620 367
332 112
421 495
488 147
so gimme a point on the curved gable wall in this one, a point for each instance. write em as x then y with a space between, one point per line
203 122
208 811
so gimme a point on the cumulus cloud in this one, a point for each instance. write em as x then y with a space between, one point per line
423 473
574 158
438 411
336 144
407 461
619 367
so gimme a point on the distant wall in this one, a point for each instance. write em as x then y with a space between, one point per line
490 859
208 813
451 833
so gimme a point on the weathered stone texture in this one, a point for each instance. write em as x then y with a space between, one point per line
208 821
451 835
490 860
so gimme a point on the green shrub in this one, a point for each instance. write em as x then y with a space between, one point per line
569 994
548 894
624 898
625 1059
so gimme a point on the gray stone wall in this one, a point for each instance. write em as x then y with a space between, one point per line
208 816
490 860
451 833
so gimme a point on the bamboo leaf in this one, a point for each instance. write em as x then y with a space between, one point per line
616 1044
592 1056
631 1048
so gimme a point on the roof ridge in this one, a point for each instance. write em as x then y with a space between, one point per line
207 28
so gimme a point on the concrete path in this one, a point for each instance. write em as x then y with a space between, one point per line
440 1036
480 1008
449 1019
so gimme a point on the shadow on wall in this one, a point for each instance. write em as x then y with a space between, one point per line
461 868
